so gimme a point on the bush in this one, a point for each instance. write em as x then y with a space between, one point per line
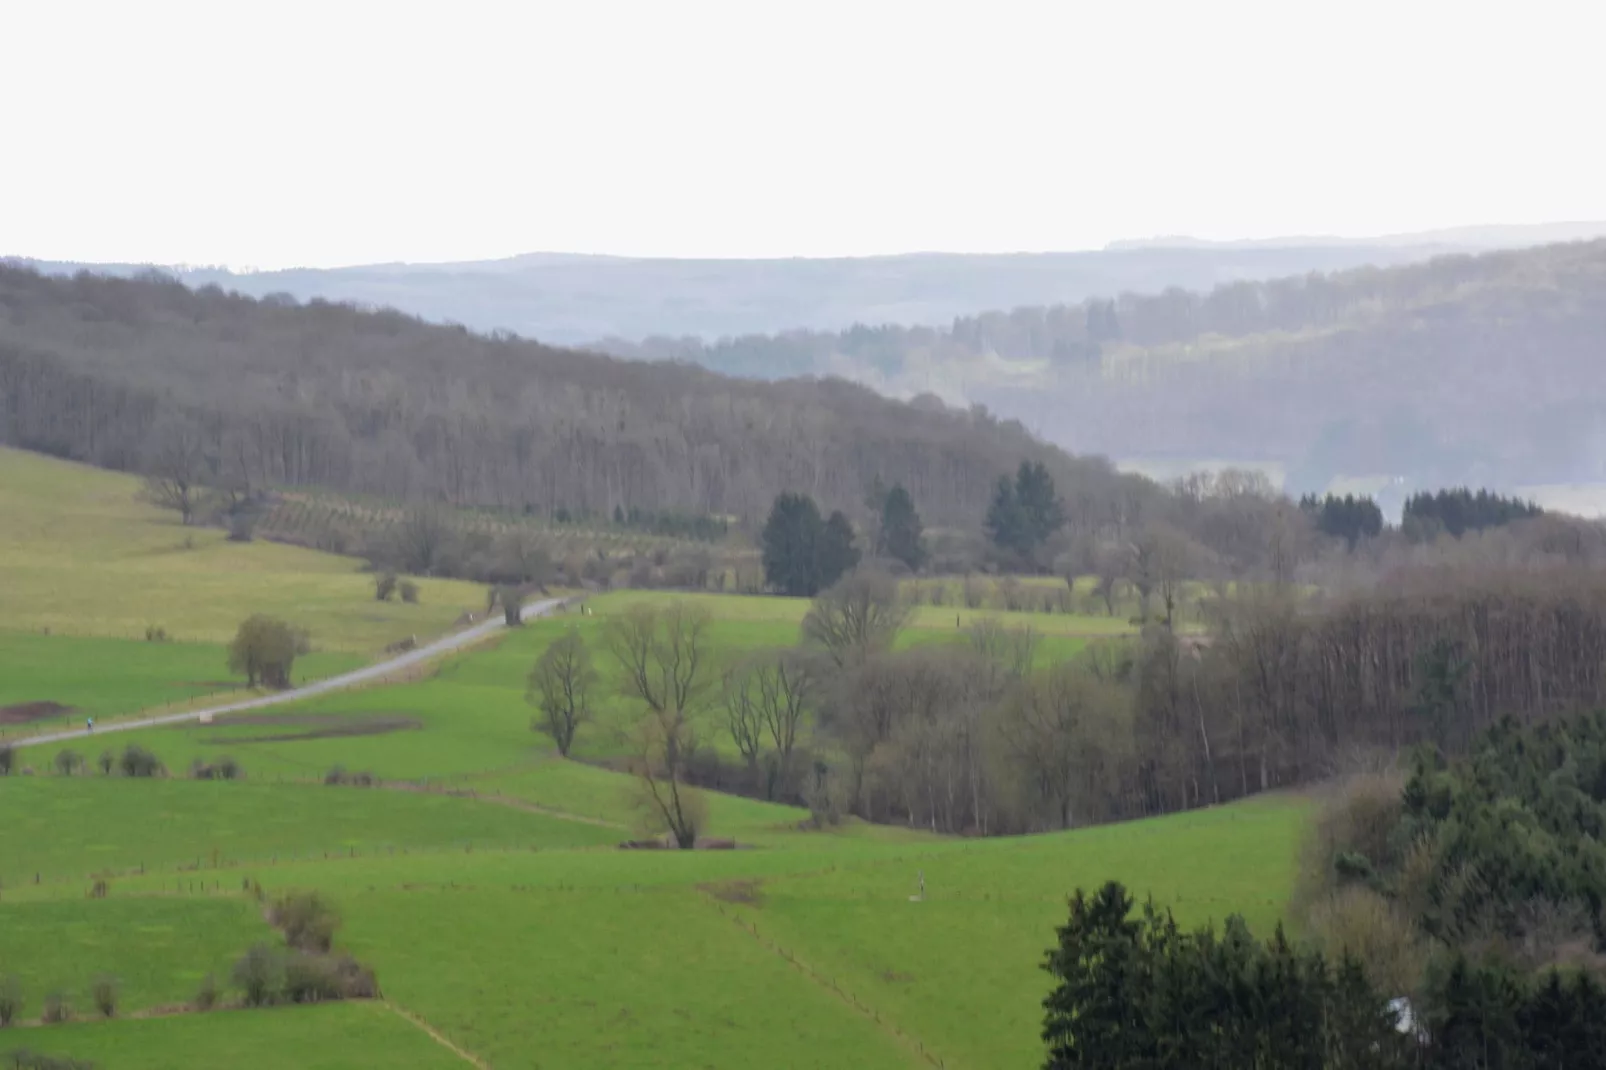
8 758
340 777
107 762
155 633
307 920
69 762
104 994
384 586
10 999
224 768
56 1009
1358 921
207 995
311 979
137 761
260 975
409 591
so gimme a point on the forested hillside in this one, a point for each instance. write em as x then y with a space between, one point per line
1480 369
569 300
108 370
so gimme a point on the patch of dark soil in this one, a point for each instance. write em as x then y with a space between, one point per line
316 726
735 891
23 712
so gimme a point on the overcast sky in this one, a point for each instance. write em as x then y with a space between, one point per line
279 134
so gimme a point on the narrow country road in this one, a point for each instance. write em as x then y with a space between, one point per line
443 645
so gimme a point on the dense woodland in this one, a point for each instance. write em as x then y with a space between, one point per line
269 393
1482 369
1454 918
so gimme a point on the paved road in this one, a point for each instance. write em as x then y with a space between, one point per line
444 645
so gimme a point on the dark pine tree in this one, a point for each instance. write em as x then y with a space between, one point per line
902 534
791 541
836 554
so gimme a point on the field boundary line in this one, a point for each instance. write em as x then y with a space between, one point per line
913 1044
500 800
437 1036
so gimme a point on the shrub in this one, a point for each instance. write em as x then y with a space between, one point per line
224 768
307 920
1358 921
260 975
69 762
8 758
340 777
206 996
104 994
107 762
56 1009
10 999
137 761
310 979
409 591
384 586
155 633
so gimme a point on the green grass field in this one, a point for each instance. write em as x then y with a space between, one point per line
501 917
69 828
103 678
331 1036
805 952
158 949
79 555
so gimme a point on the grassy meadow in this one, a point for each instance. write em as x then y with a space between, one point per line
104 678
331 1036
483 881
83 557
505 920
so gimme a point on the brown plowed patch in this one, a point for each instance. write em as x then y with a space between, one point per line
24 712
302 726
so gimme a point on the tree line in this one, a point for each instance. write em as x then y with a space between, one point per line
132 373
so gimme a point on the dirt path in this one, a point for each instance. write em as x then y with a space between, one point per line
371 674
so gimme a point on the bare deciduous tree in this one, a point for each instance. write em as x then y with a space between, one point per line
177 470
857 617
1065 734
560 687
766 699
664 666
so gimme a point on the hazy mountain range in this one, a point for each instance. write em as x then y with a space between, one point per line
568 299
1438 357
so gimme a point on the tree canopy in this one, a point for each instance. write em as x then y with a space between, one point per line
802 554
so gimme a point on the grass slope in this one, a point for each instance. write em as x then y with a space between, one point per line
68 828
105 677
331 1036
79 555
158 949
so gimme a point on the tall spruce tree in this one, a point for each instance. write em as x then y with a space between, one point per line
791 545
901 535
803 554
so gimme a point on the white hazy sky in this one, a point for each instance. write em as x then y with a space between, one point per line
286 133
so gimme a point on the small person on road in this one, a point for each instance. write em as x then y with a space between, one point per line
89 722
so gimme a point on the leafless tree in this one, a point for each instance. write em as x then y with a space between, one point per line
560 687
177 470
858 616
664 666
1066 734
766 699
